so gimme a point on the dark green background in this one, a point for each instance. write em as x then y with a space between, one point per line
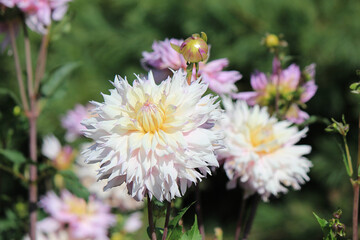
107 37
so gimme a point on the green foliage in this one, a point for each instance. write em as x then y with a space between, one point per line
193 233
73 184
332 229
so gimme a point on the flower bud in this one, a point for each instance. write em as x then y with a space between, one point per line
272 41
194 49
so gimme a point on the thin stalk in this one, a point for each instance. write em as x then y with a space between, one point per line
167 218
356 193
29 70
41 61
199 212
18 175
33 178
240 219
18 68
150 218
278 72
251 218
348 156
32 134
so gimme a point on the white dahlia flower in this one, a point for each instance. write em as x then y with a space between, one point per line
260 153
155 138
115 197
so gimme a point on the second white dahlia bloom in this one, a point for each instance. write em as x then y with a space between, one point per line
260 153
157 139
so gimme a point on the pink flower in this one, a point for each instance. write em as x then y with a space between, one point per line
164 56
221 82
84 219
61 157
8 3
133 223
72 121
39 13
294 89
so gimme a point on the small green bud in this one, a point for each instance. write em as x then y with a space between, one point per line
16 111
194 49
342 128
337 214
272 40
355 87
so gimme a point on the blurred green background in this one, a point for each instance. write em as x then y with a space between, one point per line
107 37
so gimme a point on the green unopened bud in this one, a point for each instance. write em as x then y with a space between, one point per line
340 127
16 111
194 49
355 87
337 214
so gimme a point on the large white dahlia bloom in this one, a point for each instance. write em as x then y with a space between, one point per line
158 139
260 153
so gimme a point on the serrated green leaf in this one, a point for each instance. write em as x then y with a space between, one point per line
14 156
176 219
193 233
57 78
175 231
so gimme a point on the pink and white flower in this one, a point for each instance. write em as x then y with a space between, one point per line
39 13
294 89
115 197
261 155
72 121
157 139
61 157
164 57
85 220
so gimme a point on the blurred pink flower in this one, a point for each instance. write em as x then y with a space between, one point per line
72 121
39 13
133 223
294 87
61 157
164 57
221 82
90 219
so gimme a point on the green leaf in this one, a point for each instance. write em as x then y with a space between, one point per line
57 78
323 223
344 159
175 230
14 156
5 91
193 233
73 184
175 220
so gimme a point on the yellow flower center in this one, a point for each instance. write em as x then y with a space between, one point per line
78 207
263 139
150 117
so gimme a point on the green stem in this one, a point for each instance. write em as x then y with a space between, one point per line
18 175
348 156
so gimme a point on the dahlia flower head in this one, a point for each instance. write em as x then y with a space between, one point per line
84 220
39 13
115 197
61 157
261 154
164 57
294 87
72 121
157 139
